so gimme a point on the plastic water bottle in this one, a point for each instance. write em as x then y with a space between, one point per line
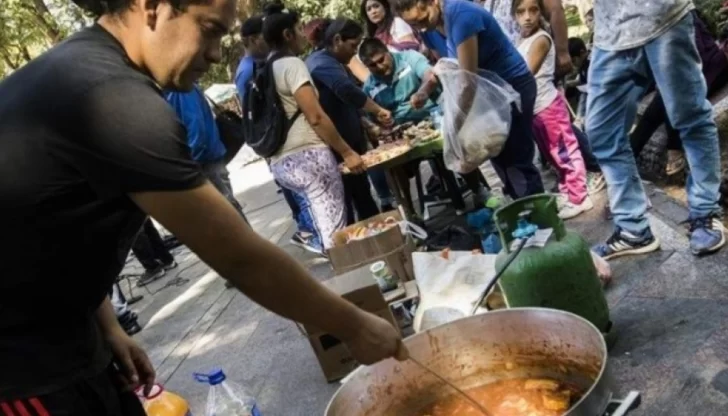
225 398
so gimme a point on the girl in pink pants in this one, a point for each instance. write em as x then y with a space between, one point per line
551 122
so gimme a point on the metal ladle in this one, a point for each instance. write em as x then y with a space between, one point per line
472 401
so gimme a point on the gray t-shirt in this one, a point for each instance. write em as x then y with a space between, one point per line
627 24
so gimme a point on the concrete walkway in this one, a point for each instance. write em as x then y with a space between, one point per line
670 311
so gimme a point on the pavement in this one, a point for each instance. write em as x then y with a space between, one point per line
669 309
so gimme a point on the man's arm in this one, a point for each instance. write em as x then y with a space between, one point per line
136 368
134 146
335 78
557 20
206 222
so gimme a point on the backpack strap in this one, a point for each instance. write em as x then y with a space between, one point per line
272 85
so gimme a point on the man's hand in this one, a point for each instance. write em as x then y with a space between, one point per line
136 369
418 100
373 133
376 340
354 162
385 117
564 66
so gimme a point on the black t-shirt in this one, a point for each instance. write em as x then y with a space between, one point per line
80 129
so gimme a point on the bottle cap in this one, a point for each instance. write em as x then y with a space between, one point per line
214 378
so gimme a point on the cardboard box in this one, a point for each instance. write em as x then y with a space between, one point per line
391 246
359 288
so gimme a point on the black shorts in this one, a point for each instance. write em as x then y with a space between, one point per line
100 395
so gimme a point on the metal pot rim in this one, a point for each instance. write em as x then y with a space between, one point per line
602 370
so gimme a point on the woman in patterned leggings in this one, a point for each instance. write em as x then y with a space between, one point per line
306 164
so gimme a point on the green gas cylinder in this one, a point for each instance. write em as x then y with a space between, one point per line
560 274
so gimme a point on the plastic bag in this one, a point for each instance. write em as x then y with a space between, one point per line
449 287
604 271
477 134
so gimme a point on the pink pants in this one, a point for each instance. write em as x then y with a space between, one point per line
555 137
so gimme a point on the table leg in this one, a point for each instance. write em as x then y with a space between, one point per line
394 179
452 185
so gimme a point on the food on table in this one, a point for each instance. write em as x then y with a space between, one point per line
371 229
516 397
394 134
422 132
383 153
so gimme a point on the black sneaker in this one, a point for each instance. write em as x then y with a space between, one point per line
170 266
132 328
624 243
130 323
150 276
299 239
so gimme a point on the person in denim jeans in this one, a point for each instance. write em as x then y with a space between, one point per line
633 46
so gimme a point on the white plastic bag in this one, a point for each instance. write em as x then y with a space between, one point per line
604 271
449 287
476 134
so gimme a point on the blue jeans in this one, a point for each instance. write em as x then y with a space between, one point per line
616 78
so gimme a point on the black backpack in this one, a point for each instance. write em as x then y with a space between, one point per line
265 123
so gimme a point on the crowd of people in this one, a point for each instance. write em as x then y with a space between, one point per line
110 127
367 78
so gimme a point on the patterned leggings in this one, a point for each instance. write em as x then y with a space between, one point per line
314 175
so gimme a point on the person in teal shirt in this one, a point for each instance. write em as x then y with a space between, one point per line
396 79
404 84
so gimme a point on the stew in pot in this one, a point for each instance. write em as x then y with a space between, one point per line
516 397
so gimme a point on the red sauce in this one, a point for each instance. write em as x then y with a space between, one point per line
517 397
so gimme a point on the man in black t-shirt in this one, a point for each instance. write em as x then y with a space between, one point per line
88 149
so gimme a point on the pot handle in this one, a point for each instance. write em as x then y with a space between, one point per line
626 405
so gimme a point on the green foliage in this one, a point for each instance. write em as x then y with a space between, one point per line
232 50
29 27
709 13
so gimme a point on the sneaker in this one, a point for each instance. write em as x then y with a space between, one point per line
130 323
706 235
299 239
624 243
571 210
595 182
676 162
313 248
150 276
170 266
561 200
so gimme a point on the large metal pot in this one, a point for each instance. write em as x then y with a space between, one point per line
471 352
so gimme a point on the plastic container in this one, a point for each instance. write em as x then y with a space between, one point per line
225 398
383 276
163 403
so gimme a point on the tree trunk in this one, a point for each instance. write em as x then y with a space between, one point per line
26 54
8 61
45 18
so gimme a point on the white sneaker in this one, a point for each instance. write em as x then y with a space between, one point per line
595 182
561 201
571 210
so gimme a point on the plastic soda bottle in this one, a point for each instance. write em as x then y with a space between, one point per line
225 398
163 403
